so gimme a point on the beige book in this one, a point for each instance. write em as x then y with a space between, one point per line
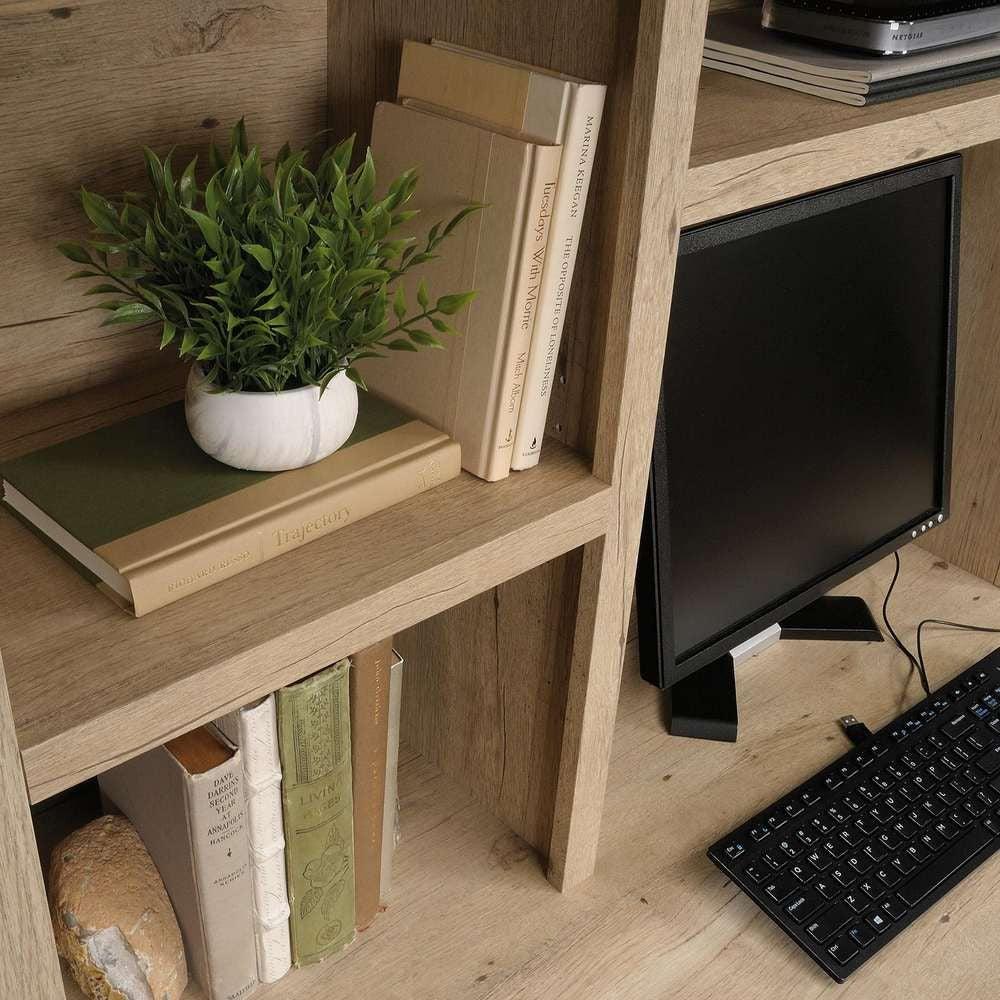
548 107
369 697
472 389
186 801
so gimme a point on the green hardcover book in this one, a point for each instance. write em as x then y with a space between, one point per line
151 518
314 737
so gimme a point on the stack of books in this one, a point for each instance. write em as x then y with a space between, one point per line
736 43
273 828
520 141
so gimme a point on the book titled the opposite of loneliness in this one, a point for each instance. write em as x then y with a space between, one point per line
150 518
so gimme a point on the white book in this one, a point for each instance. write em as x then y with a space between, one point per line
390 811
840 96
254 730
545 106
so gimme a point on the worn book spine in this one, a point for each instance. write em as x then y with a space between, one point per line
390 808
254 730
314 737
369 739
163 580
583 124
194 827
220 849
541 174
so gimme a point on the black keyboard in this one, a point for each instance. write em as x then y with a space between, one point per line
854 855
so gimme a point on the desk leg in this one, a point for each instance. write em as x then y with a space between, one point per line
29 968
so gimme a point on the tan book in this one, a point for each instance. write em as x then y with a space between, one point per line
186 800
390 808
369 687
472 389
544 106
150 518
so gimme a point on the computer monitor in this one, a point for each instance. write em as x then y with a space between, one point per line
804 427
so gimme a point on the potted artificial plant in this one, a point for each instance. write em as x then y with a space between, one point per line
273 281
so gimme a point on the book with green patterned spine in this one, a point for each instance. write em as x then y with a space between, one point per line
314 739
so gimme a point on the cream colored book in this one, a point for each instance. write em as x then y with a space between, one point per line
390 809
254 730
550 107
472 389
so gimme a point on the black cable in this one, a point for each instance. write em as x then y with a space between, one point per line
947 624
915 662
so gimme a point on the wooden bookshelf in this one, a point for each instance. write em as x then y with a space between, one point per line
755 144
510 600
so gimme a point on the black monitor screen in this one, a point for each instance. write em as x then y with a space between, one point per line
805 397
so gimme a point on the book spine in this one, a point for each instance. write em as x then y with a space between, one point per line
390 808
314 738
369 737
254 730
221 860
583 126
165 580
538 204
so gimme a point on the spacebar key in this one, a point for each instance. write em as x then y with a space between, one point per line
949 862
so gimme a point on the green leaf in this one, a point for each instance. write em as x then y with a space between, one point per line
441 326
238 137
131 312
188 185
401 345
355 376
188 342
100 212
76 252
85 274
422 297
399 304
460 216
102 289
365 183
451 304
209 229
424 339
262 255
169 332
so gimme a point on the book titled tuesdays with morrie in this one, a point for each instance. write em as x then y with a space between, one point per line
150 518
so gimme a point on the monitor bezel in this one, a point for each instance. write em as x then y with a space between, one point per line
658 661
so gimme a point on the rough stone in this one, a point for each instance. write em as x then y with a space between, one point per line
112 918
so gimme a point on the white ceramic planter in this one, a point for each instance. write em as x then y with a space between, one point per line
270 431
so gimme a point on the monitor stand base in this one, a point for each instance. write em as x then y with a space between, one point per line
704 706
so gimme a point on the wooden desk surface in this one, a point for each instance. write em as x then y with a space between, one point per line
472 917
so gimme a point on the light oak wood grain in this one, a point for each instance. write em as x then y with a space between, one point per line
755 144
472 917
92 686
660 122
29 968
971 537
84 87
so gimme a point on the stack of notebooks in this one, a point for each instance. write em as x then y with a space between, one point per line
273 828
736 43
520 141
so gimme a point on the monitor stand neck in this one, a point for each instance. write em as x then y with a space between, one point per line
704 706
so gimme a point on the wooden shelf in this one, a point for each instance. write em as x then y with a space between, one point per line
755 144
91 686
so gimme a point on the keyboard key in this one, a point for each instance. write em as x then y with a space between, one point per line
925 782
837 813
826 888
857 902
860 863
948 795
776 821
979 710
832 781
844 875
760 832
879 922
852 836
776 861
960 818
848 770
789 848
889 840
904 829
896 771
958 854
755 873
919 817
894 907
835 848
862 935
872 888
808 837
931 842
939 772
843 950
802 873
909 791
974 775
945 829
990 761
876 851
819 861
935 738
827 924
909 760
921 850
804 905
877 749
933 806
953 763
782 887
810 796
793 809
958 726
975 808
855 805
733 851
824 825
870 792
904 863
888 875
882 781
